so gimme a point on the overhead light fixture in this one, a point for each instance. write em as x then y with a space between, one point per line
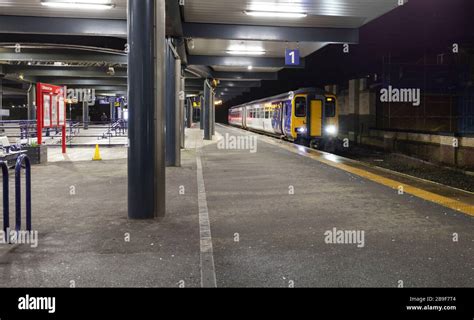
276 14
246 52
191 43
82 4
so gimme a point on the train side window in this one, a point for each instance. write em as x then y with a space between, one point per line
300 107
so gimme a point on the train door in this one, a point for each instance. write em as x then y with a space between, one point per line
316 118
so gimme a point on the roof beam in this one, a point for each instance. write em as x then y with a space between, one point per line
173 19
74 72
239 84
225 83
64 57
84 81
63 26
268 33
241 61
7 91
232 90
224 75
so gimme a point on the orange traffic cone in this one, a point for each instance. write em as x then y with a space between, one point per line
97 156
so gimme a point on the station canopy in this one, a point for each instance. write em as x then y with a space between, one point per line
240 43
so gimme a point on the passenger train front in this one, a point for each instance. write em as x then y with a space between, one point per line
307 116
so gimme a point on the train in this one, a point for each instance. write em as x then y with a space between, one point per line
307 116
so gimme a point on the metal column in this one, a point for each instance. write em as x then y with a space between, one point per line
146 181
213 113
177 116
182 111
32 102
172 140
189 110
1 99
113 110
201 113
206 112
160 109
85 114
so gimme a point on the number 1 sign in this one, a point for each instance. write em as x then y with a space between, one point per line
292 57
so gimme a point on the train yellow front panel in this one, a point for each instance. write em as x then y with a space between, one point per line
316 117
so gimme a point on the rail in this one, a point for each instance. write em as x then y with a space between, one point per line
19 163
6 199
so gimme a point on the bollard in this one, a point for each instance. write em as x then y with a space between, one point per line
6 200
22 158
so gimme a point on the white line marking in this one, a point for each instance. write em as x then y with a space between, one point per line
208 272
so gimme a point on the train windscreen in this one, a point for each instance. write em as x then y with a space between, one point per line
330 108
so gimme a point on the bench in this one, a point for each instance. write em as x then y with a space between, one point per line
9 153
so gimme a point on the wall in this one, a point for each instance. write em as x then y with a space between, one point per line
359 121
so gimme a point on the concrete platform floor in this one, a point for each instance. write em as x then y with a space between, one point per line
262 233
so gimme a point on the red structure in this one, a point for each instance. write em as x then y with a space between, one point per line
50 110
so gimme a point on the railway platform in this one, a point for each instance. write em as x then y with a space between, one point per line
273 214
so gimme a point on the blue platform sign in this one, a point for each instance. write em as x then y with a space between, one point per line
292 57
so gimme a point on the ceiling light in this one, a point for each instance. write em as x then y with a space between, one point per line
246 52
82 4
277 14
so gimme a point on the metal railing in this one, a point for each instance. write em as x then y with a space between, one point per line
19 163
77 133
22 159
6 199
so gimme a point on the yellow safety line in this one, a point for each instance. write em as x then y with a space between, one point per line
417 192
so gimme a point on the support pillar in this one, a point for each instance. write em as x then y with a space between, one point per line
190 110
85 114
178 114
160 109
207 111
1 101
201 113
213 112
146 179
182 111
172 124
32 102
112 111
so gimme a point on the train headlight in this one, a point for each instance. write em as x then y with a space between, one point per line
331 129
301 130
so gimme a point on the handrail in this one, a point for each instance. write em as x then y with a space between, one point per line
19 162
6 199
